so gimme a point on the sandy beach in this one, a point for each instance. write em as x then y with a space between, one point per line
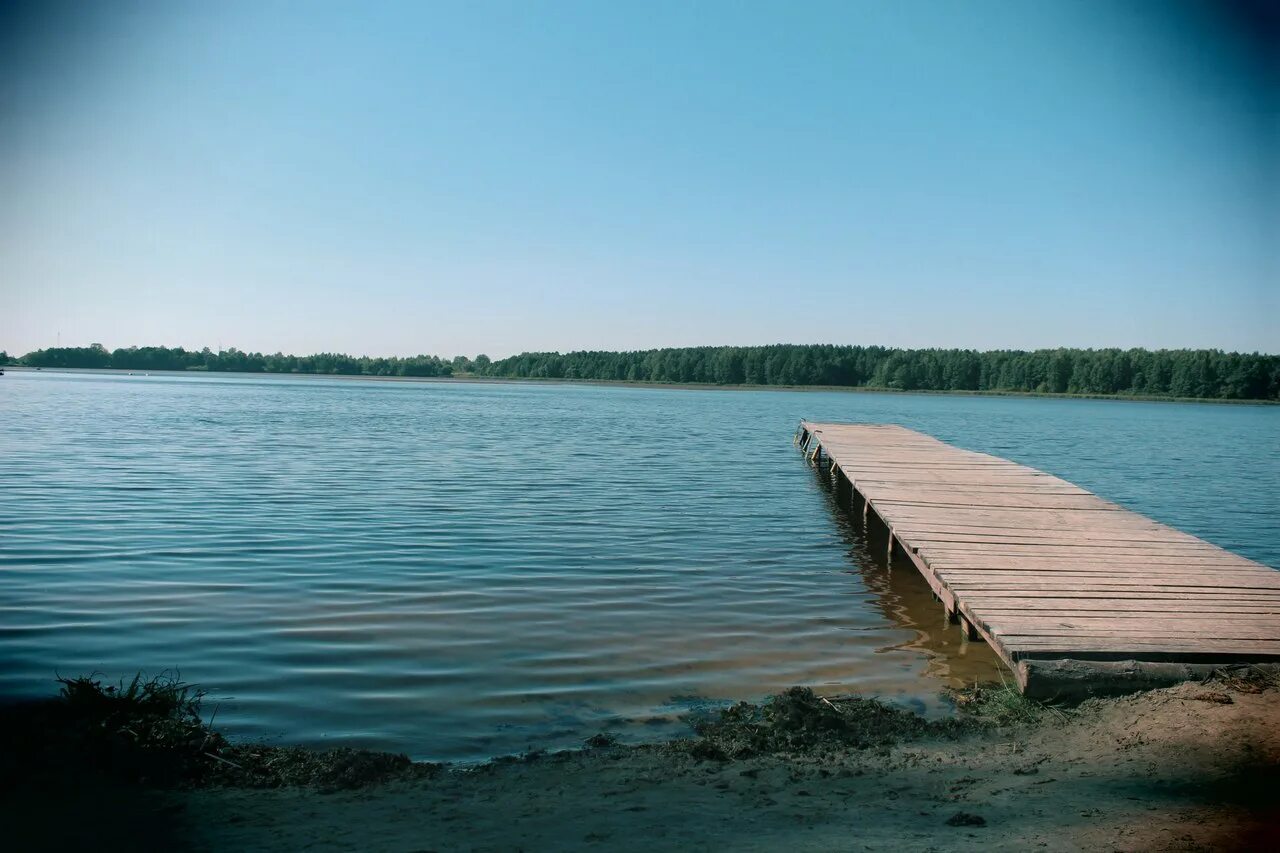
1193 767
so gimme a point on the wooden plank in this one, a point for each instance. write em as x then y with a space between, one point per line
997 555
957 496
1070 646
1118 568
1035 535
1064 549
1138 648
1045 520
1117 557
1108 643
1050 523
1124 584
968 506
1072 580
1155 595
1151 627
1045 544
1015 604
1102 574
1048 488
1065 544
1047 571
1132 609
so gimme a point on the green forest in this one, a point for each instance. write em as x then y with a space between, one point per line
1205 374
235 361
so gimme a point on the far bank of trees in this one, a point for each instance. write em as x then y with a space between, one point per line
1205 374
233 360
1161 373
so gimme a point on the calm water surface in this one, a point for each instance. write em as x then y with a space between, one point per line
463 570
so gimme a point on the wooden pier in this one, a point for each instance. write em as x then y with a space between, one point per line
1076 594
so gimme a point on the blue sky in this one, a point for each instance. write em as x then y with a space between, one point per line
498 177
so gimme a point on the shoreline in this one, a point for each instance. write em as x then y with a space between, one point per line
625 383
1190 767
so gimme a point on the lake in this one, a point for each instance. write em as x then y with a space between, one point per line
459 570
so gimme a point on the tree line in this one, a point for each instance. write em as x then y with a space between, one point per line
234 361
1206 374
1161 373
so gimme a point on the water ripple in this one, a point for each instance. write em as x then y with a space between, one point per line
463 570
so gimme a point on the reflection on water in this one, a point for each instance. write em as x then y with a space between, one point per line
905 598
457 570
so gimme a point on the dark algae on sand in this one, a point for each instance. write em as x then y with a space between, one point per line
150 732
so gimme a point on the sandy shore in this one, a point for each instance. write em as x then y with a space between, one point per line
1195 767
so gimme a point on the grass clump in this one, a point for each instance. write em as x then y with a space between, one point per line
146 731
151 732
798 720
1003 705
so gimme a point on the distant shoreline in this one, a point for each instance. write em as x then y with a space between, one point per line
467 378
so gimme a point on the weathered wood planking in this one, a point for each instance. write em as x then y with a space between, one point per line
1075 593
